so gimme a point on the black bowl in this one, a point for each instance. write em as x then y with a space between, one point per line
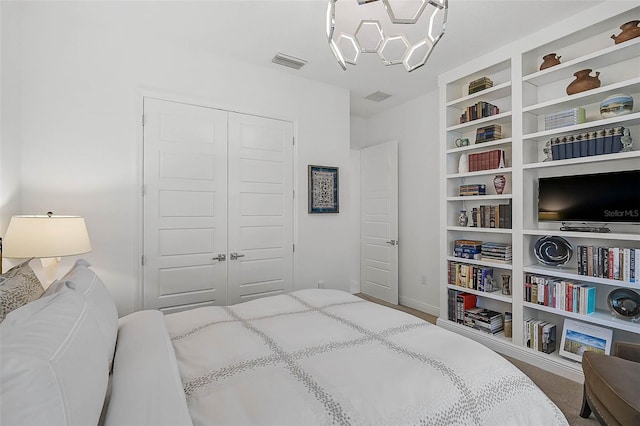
624 302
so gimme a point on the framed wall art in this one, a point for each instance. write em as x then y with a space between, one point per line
323 189
578 337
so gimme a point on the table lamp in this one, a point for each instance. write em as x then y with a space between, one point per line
47 237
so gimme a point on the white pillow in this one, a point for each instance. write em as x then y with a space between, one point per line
146 388
18 286
52 365
101 305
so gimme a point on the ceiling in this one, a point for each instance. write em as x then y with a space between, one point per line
253 31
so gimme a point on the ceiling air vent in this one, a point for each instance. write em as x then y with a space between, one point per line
378 96
288 61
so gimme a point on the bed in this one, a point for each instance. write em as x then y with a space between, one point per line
304 358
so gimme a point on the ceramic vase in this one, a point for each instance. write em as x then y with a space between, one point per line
549 60
583 82
499 183
463 164
630 30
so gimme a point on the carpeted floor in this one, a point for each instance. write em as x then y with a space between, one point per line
565 393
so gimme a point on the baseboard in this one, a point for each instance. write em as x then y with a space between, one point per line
551 363
421 306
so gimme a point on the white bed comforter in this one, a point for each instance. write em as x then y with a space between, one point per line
327 357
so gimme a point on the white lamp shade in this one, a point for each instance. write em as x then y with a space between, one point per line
46 236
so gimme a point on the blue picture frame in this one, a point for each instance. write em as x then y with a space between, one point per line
323 189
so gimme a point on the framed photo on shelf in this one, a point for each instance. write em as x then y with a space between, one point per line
323 189
578 337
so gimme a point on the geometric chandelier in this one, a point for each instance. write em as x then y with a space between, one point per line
383 27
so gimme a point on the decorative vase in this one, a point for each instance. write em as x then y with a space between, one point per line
463 164
463 219
614 105
583 82
549 60
629 30
499 183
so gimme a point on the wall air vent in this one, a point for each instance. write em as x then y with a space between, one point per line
288 61
378 96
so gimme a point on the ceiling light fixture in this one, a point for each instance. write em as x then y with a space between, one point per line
384 36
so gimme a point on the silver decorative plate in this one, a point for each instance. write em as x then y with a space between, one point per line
553 251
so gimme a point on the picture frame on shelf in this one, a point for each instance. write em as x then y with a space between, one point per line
578 337
323 189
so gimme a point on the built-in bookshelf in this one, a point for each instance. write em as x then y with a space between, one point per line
524 95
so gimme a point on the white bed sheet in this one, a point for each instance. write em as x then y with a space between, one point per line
327 357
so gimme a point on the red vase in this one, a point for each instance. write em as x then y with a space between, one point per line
499 183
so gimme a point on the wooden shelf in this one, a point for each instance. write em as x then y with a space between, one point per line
491 94
502 118
572 274
505 170
480 146
481 197
495 295
478 262
583 98
477 229
616 53
629 120
589 235
583 160
600 317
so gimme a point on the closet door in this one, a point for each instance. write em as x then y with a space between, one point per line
185 205
260 207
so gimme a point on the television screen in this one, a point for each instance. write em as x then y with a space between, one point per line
599 198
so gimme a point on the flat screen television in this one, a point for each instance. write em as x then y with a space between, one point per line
598 198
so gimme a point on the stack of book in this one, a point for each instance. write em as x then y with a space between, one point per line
480 84
614 263
457 303
480 110
491 322
566 295
564 118
487 160
493 216
540 335
473 189
496 252
467 249
471 276
488 133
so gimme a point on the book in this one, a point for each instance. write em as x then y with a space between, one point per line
548 338
464 301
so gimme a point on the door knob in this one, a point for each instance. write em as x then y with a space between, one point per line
220 258
235 256
392 242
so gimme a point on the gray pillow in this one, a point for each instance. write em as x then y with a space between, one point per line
18 286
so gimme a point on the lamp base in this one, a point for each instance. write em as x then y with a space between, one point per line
50 268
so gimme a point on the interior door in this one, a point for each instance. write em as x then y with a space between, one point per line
379 221
185 205
260 207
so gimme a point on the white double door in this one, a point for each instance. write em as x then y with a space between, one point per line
218 206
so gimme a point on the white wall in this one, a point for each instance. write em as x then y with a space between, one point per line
9 121
415 126
81 67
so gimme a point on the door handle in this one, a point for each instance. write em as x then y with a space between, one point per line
220 258
393 242
235 256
